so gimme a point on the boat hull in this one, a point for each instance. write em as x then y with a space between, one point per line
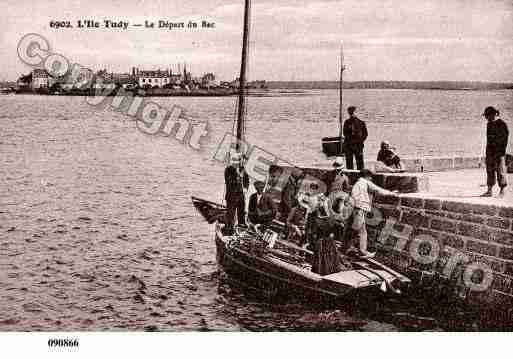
273 279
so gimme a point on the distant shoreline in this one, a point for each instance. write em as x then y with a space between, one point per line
414 85
398 85
299 87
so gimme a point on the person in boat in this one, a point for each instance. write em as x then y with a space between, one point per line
237 182
339 189
337 182
261 209
355 134
361 194
290 192
388 160
496 143
322 230
296 222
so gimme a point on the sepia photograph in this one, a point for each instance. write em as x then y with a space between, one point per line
228 166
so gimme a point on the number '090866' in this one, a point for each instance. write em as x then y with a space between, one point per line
65 343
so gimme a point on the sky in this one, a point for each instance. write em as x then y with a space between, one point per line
406 40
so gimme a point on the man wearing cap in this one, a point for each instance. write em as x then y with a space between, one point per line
355 134
236 181
496 143
262 209
337 181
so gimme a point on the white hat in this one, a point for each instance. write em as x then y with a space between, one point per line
339 162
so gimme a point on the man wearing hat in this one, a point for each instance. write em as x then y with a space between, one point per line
338 181
236 181
355 134
262 209
496 143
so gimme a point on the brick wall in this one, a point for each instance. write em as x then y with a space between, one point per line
464 241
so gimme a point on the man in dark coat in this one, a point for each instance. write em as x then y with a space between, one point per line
290 191
261 209
236 180
355 134
496 142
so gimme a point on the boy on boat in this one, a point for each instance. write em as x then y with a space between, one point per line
361 194
237 182
296 222
290 192
496 142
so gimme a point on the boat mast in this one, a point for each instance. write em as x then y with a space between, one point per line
242 78
341 82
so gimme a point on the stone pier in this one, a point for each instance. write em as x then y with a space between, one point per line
440 231
468 245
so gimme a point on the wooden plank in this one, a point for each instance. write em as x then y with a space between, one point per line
401 277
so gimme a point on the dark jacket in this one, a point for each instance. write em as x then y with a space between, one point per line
297 216
235 183
289 197
261 211
337 182
496 138
355 131
389 158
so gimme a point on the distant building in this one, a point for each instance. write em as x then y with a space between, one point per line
259 84
125 80
235 83
40 79
208 77
208 80
24 81
187 77
106 79
176 79
153 78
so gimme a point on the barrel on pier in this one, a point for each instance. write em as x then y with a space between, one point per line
332 146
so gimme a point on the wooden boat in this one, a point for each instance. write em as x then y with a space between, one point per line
268 263
282 269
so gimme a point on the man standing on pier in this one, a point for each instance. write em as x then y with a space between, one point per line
496 143
355 134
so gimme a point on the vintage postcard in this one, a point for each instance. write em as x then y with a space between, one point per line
254 165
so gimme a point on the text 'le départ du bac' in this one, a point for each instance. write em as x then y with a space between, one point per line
149 24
